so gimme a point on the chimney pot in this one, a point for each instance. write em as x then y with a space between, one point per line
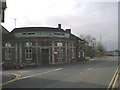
59 26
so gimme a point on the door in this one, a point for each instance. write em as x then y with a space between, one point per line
45 56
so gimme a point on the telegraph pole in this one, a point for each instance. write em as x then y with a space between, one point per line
100 39
15 22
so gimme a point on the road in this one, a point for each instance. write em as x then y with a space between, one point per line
88 74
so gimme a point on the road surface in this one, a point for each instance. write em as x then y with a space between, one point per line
96 73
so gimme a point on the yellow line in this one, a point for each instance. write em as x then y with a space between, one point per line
114 79
17 76
113 86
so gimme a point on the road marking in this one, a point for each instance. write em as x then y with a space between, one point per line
115 82
17 76
40 73
86 70
114 79
89 69
24 71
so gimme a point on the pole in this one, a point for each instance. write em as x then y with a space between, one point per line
15 22
100 39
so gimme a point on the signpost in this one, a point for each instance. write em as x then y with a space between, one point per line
55 52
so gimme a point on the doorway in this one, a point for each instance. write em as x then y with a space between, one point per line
45 56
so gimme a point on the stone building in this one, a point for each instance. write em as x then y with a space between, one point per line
43 46
2 14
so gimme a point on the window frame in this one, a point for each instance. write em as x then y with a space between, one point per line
28 54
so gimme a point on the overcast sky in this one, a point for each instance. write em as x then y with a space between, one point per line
89 18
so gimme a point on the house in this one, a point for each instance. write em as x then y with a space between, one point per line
43 46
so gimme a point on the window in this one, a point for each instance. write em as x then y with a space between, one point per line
7 54
60 53
8 44
79 54
59 44
73 53
83 54
56 33
23 33
28 44
28 54
31 33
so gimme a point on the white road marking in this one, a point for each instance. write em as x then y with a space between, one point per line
89 69
86 70
24 71
25 77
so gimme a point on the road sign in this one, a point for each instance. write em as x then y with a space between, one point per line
55 52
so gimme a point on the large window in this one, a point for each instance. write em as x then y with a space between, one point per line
28 54
7 54
60 53
73 53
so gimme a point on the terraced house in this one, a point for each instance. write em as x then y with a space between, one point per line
43 46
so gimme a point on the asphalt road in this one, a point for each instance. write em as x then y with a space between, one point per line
89 74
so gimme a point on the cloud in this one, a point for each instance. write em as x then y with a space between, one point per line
95 18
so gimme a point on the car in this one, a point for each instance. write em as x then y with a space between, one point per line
10 65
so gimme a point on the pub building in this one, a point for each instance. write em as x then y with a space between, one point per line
42 46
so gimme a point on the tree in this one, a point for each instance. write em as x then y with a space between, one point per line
93 48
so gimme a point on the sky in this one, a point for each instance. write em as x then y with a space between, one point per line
87 17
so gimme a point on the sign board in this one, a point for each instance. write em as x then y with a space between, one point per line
55 52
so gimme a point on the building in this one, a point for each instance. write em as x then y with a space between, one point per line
2 14
42 46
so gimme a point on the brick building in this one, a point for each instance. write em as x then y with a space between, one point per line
42 46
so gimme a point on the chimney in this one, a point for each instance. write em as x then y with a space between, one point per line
68 31
59 26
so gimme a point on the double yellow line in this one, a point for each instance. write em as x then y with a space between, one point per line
17 77
114 80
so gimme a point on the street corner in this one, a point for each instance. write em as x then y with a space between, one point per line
6 79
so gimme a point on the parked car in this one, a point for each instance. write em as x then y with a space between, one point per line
10 65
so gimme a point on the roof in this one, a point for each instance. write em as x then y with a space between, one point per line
75 37
4 30
36 29
31 29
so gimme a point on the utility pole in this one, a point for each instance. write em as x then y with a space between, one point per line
15 22
100 39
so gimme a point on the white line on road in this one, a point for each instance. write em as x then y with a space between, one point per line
40 73
86 70
89 69
24 71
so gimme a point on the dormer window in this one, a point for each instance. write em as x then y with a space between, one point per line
23 33
31 33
